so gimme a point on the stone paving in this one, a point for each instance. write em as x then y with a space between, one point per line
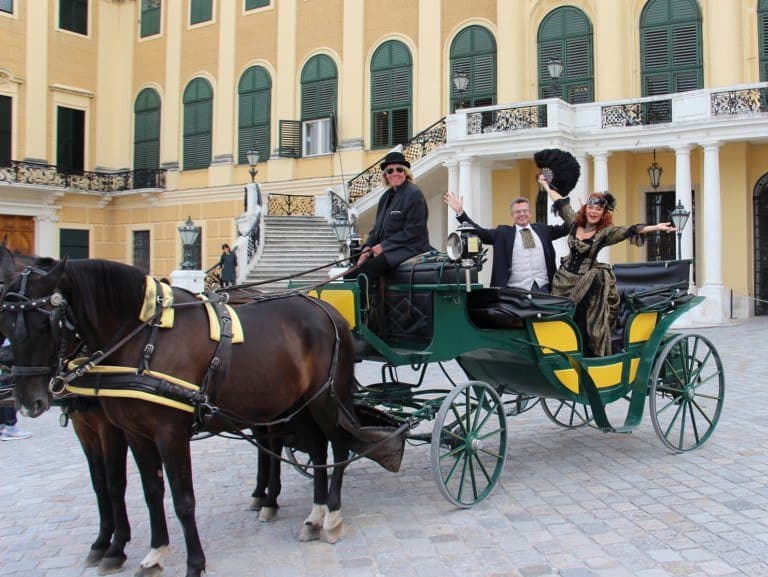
571 503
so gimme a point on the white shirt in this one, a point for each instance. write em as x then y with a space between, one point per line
528 264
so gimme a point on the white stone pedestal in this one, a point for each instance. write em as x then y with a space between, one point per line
192 280
714 309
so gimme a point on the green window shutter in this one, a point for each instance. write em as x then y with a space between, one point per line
200 11
6 121
150 17
255 113
670 47
473 52
318 88
73 243
762 34
198 114
146 144
391 71
253 4
73 15
566 33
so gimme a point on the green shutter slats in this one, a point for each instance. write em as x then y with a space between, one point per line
290 139
253 4
318 88
473 51
656 49
566 33
198 121
150 17
391 73
200 11
684 48
255 113
762 35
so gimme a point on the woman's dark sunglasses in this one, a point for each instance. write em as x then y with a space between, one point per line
395 169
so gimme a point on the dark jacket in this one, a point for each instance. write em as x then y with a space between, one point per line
503 240
401 224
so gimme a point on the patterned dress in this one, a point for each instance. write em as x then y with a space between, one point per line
591 284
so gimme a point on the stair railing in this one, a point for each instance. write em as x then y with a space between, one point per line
250 227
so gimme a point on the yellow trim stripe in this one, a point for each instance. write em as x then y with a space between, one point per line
149 306
214 329
139 395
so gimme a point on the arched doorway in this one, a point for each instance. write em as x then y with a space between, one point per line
761 245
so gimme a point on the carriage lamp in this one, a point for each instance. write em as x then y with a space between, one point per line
464 245
253 159
555 69
460 83
679 218
189 234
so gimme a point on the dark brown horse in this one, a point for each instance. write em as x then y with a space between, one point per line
296 361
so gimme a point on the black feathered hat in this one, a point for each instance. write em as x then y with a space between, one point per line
559 167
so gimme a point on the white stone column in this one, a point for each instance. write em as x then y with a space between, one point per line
46 238
350 113
453 187
683 195
601 185
171 118
35 87
713 310
465 184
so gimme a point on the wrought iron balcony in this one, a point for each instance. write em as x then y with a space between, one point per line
507 119
747 101
31 173
636 113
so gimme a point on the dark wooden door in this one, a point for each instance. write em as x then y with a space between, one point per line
20 231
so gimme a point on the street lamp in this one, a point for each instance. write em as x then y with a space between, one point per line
189 234
555 69
253 159
679 218
460 83
654 173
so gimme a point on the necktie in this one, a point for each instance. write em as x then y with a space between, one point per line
527 235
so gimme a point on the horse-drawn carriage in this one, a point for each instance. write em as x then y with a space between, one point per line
516 348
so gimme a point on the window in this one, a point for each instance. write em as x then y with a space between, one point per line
390 95
473 52
150 18
198 111
200 11
6 124
6 6
146 140
73 243
670 47
318 102
253 4
141 250
762 32
255 113
70 139
566 33
73 16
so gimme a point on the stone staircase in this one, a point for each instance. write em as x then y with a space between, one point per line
294 244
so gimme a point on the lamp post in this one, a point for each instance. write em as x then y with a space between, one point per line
253 159
189 234
679 217
555 69
460 83
654 173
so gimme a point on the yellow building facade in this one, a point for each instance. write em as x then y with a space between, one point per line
121 118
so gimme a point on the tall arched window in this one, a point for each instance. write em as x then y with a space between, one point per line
762 33
670 47
255 113
473 52
391 68
566 33
146 139
198 120
318 88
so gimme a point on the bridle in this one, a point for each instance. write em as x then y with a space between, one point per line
57 309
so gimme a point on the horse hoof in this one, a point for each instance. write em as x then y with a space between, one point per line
256 504
94 557
332 536
268 514
110 565
310 532
153 571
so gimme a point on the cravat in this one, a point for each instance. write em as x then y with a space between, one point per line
527 235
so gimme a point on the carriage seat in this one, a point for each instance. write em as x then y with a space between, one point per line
657 286
508 308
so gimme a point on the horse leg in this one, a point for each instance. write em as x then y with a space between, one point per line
259 494
151 470
269 506
174 450
333 528
311 531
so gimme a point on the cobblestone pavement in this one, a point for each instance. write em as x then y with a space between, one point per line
571 503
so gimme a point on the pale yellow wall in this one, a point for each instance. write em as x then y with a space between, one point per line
455 13
318 26
397 16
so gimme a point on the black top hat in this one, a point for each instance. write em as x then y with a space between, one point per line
394 158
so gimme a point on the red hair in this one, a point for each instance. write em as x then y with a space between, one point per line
605 220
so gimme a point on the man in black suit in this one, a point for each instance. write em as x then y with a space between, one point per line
523 255
400 230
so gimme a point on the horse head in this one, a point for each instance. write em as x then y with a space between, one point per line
31 316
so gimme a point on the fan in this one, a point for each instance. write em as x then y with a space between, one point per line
559 167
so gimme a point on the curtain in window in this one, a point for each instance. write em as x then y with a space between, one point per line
198 115
473 52
391 67
254 113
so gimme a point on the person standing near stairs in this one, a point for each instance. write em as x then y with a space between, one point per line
228 263
400 230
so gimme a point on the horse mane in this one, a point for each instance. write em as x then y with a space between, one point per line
104 285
